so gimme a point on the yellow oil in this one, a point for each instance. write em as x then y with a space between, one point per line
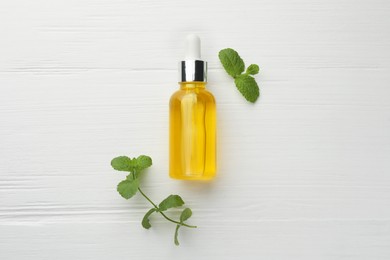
192 133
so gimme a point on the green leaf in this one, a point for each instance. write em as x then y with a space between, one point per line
171 201
128 188
185 214
253 69
122 163
145 220
143 162
232 62
176 235
248 87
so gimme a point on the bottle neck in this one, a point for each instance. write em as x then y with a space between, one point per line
192 85
192 70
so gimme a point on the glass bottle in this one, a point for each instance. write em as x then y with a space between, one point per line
192 127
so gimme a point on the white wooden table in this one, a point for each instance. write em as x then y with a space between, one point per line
303 174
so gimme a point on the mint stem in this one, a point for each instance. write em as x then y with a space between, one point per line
165 216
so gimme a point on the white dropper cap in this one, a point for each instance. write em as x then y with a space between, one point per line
192 47
192 68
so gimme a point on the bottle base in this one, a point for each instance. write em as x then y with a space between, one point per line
193 178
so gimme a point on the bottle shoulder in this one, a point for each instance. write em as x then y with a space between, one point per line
202 94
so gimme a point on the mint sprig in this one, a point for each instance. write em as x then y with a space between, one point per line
235 66
131 185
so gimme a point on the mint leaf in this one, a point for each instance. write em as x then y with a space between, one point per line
145 220
232 62
143 162
248 87
185 214
253 69
176 235
171 201
235 66
122 163
128 188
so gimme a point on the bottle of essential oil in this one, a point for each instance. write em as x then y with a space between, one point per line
192 130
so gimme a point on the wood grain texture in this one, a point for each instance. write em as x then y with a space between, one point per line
303 174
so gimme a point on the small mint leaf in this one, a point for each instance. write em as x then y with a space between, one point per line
122 163
128 188
253 69
143 162
248 87
176 235
145 220
171 201
185 214
232 62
